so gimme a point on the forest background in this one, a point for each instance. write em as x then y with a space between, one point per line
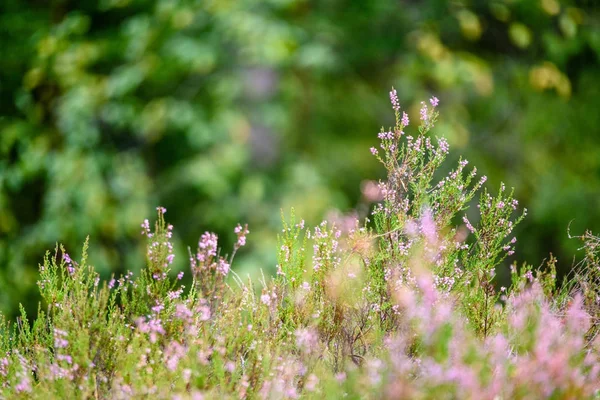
229 111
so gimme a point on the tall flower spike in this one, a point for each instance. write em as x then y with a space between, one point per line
241 233
423 112
394 100
405 120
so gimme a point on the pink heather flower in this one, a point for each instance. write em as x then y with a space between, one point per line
443 146
265 299
394 100
182 312
186 374
374 151
311 383
371 191
158 307
197 395
161 210
4 363
69 263
405 121
24 385
514 204
241 233
180 275
223 267
111 283
411 228
577 319
434 101
173 353
172 295
59 339
159 277
468 224
291 392
423 112
428 226
241 241
230 367
66 358
307 340
208 241
126 390
153 326
385 135
146 228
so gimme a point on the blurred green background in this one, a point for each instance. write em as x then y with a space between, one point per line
227 111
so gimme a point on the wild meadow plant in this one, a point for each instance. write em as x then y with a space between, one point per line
404 304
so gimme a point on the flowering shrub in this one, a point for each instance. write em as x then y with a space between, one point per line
404 307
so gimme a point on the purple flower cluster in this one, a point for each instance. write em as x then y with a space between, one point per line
241 233
152 326
394 100
206 257
70 264
325 257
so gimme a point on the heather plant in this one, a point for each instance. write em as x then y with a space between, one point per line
402 304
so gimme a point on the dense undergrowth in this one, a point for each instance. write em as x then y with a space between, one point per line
403 306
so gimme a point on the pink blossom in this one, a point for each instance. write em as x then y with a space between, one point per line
223 267
306 340
424 112
265 299
241 233
394 100
428 226
405 121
